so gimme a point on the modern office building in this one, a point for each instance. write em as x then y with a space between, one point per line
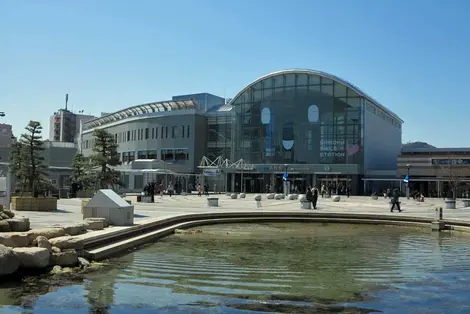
315 126
65 125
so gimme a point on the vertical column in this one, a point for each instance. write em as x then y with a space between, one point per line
131 181
232 188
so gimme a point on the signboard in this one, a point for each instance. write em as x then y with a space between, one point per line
455 161
332 148
211 172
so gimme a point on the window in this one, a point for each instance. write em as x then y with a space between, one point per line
125 157
156 132
128 136
153 133
181 154
173 131
152 154
131 156
167 154
166 132
138 135
182 131
187 132
147 133
161 135
142 154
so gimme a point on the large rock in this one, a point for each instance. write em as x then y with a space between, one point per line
15 239
43 242
4 226
75 229
83 262
336 198
49 233
66 258
9 213
234 196
33 257
55 249
67 242
242 195
270 196
279 196
9 261
258 197
4 216
18 224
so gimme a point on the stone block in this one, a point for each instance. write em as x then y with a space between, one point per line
4 216
291 197
67 243
270 196
9 213
101 219
33 257
94 224
279 196
336 198
4 226
15 239
212 202
9 261
258 197
75 229
305 205
242 195
65 258
18 225
28 203
302 198
42 241
49 233
55 249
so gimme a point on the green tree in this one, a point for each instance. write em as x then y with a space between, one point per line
104 157
27 160
82 172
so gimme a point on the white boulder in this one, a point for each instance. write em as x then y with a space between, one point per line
242 195
234 196
270 196
258 197
65 258
336 198
67 242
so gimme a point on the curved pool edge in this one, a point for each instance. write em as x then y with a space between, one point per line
115 242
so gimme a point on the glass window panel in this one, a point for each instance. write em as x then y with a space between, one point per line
302 79
279 81
340 90
248 95
354 102
327 89
257 95
267 92
268 83
316 88
325 80
314 80
352 93
290 79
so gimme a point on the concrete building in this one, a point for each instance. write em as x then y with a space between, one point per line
318 128
65 125
6 135
431 170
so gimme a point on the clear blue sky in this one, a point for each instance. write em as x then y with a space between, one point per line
411 55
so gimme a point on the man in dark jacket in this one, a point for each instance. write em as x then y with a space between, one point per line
395 200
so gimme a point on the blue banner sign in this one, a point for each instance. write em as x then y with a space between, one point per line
456 161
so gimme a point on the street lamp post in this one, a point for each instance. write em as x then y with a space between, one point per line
285 181
408 166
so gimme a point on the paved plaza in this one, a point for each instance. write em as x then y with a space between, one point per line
70 209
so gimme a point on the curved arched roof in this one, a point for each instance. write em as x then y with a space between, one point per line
321 74
140 110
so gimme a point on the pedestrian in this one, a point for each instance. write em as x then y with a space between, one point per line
395 201
309 195
169 189
314 197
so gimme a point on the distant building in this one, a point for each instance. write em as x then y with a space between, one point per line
65 125
6 135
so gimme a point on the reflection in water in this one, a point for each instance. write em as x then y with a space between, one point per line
282 268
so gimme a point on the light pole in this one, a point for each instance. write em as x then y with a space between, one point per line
408 166
285 179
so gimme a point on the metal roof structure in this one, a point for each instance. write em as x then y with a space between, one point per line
221 163
321 74
139 110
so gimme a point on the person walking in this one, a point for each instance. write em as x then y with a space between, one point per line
169 189
395 201
314 197
309 195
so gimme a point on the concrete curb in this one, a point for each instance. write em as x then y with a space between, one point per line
101 246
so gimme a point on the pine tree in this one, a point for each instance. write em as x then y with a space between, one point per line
104 157
81 172
27 160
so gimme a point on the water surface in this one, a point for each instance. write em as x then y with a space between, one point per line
278 268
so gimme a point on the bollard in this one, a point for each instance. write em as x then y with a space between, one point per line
258 204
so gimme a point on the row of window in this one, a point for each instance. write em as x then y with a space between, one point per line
381 114
176 131
164 154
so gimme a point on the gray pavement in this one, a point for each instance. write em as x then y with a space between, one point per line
69 209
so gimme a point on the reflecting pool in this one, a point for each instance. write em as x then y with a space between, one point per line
268 268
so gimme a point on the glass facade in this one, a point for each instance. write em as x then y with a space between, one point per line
298 118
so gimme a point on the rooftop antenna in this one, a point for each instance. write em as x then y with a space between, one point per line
66 100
